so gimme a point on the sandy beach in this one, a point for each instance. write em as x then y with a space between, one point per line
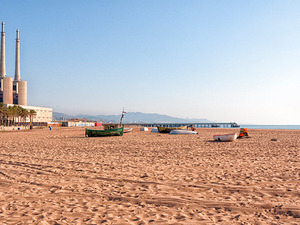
62 177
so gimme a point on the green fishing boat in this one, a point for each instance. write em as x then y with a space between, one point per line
104 133
110 129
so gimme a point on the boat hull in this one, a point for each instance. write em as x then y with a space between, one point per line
154 130
225 137
169 129
183 132
104 133
127 130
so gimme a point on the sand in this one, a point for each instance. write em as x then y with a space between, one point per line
62 177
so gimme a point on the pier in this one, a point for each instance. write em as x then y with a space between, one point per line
196 125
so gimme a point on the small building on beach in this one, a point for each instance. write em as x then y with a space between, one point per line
78 123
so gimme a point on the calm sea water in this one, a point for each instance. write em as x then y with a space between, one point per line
289 127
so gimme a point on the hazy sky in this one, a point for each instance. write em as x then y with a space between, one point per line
221 60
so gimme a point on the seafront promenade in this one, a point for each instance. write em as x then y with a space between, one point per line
10 128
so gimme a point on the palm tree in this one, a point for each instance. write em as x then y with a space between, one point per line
32 113
2 111
14 113
24 114
8 113
19 113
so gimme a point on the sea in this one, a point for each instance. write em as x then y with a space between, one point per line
284 127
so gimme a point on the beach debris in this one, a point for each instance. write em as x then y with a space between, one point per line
144 175
274 139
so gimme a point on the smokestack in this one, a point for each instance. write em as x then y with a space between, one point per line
17 65
22 92
2 59
7 90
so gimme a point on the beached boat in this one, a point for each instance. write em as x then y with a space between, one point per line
127 130
225 137
144 129
154 130
169 129
183 132
104 133
110 129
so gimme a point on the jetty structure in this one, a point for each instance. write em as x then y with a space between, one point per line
196 125
14 91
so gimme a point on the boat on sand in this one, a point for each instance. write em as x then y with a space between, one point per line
154 130
110 129
127 130
225 137
104 133
183 132
169 129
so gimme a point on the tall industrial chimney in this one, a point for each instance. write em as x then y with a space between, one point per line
2 59
19 86
17 65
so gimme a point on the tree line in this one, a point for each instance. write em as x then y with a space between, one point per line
15 115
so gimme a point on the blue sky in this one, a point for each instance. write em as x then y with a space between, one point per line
221 60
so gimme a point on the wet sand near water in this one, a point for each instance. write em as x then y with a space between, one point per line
62 177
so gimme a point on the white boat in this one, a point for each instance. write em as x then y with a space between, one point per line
225 137
144 129
183 132
127 130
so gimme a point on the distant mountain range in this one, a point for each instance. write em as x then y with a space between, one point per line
130 117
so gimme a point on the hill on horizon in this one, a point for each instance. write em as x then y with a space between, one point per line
131 117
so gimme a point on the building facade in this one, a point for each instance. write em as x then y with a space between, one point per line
43 114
